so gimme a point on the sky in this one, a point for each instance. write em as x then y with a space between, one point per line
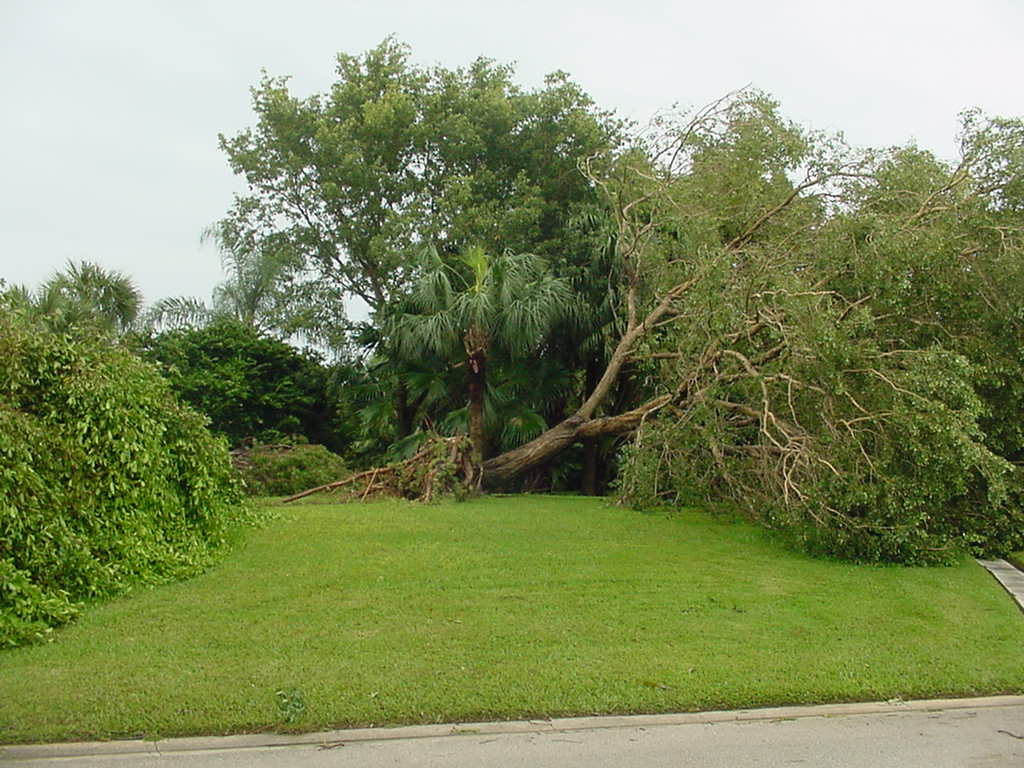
110 111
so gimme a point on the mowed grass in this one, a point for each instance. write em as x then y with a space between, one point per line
506 607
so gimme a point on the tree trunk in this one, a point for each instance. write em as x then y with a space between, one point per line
591 445
549 444
403 417
476 375
513 463
582 424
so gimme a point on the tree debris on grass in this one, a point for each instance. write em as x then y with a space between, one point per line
443 466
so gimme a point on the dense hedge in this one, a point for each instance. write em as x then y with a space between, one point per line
106 480
249 385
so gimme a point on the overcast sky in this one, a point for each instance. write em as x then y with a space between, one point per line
111 110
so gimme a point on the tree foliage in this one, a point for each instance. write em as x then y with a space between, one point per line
83 297
267 290
106 480
356 180
249 385
831 331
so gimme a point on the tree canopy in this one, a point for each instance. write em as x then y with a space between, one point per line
822 329
251 386
395 157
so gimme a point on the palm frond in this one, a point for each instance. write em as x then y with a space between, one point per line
433 292
178 312
474 310
428 383
455 422
520 426
87 294
477 260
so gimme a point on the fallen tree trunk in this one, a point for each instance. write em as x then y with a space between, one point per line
546 446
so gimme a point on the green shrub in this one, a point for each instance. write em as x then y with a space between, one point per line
250 386
29 611
106 480
286 469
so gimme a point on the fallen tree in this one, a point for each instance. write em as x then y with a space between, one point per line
642 197
830 353
824 337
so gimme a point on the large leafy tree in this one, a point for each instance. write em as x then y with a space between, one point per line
357 179
355 182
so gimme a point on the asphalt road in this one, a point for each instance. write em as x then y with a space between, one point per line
989 735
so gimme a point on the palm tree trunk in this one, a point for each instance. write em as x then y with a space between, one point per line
403 417
476 373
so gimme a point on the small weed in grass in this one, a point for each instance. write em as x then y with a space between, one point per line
291 703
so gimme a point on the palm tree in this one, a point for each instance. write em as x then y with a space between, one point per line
266 290
176 312
87 295
476 306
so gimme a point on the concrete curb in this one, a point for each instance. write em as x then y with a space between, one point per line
1009 576
557 725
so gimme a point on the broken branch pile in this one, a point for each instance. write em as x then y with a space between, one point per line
442 467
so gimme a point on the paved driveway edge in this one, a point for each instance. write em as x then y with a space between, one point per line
1010 577
561 724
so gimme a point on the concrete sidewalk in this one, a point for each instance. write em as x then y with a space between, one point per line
931 734
1011 578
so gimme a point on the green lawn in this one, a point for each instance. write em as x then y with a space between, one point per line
506 608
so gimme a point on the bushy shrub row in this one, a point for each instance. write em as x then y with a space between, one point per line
106 480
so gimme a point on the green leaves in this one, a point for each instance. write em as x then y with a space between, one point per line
247 384
83 298
842 360
106 480
395 155
283 470
510 302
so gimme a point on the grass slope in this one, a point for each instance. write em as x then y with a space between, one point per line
506 608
